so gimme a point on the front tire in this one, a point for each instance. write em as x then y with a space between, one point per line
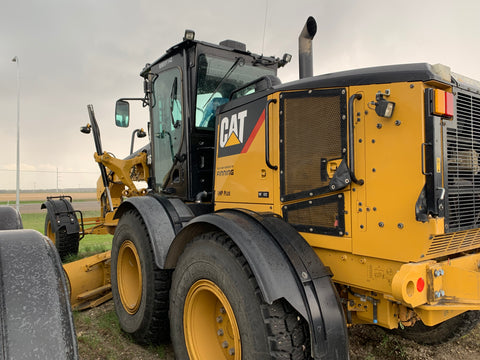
217 311
140 289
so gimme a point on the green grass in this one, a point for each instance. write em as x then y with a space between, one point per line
89 245
100 337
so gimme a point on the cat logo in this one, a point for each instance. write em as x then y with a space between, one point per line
231 130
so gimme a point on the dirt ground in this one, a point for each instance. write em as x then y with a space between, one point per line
366 342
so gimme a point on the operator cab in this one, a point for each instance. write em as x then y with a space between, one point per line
184 89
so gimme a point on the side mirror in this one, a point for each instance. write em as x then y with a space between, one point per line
122 113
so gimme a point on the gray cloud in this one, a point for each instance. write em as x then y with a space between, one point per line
73 53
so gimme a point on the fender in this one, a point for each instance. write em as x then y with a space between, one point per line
10 219
63 214
285 266
163 217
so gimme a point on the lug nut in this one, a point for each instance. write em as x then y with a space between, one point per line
220 332
225 344
231 351
219 319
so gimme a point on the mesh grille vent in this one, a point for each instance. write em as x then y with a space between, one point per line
463 172
312 129
322 216
454 243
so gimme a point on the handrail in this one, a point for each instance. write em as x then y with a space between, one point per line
267 136
351 139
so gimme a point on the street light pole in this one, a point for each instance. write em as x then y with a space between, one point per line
15 59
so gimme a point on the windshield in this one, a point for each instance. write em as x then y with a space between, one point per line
217 78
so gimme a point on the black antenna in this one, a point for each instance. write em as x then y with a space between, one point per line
264 25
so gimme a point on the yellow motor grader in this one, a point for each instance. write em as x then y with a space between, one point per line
276 214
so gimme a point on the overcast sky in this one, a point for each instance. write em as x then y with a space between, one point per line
74 53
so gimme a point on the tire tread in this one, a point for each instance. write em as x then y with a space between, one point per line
286 330
157 329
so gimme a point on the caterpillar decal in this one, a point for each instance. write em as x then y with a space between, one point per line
237 128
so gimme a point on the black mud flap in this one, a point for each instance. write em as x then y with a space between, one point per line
62 214
35 317
325 315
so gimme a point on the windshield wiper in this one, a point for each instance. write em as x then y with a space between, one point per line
239 62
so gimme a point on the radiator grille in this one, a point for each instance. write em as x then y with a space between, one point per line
463 172
313 128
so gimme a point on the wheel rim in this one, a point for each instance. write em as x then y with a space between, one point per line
50 233
209 324
129 277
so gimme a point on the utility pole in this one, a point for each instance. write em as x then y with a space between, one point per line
15 59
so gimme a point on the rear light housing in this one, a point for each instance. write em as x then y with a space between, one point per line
442 103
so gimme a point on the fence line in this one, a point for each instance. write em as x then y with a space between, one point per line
48 179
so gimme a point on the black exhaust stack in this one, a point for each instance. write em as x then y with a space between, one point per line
305 57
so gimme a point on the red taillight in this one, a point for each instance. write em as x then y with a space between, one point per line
420 284
448 104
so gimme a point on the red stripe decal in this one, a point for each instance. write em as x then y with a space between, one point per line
254 132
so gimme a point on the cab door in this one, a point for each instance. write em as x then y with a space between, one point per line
168 127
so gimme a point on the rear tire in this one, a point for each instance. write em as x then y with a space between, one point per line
140 289
446 331
217 311
35 316
66 244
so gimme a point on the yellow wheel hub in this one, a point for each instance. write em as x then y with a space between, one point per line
129 277
209 324
50 233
